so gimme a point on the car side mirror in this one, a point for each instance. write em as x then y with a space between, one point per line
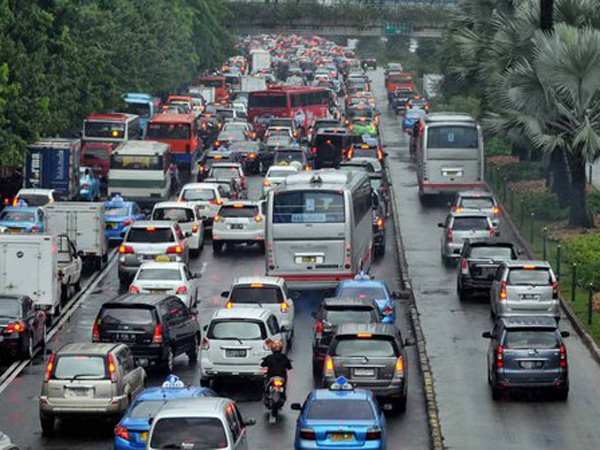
80 253
205 327
409 342
486 334
285 328
194 311
225 294
296 406
250 422
441 225
197 275
565 334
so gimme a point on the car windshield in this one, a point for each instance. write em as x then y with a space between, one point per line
17 216
115 315
531 339
117 211
279 173
491 252
232 134
366 293
236 329
181 215
476 203
340 315
80 366
224 172
34 199
150 235
288 156
260 294
198 194
526 277
447 136
367 346
234 211
197 433
9 308
92 153
159 274
145 409
139 109
340 410
113 130
470 223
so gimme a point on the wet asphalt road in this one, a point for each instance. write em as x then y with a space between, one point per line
469 417
19 416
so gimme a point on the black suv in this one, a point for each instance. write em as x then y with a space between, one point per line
527 352
478 263
157 328
334 312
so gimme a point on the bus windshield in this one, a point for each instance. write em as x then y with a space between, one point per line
104 129
308 207
169 131
452 136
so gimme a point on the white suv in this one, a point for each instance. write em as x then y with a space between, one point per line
208 196
237 223
188 216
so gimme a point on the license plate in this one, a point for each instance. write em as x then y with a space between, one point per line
236 226
451 173
157 291
364 372
235 353
529 297
125 337
78 392
342 437
531 364
144 436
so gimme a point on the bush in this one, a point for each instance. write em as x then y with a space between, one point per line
545 206
497 145
585 252
460 103
593 202
521 171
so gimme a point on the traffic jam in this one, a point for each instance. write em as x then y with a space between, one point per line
218 269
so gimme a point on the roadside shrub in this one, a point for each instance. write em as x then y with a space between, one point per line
521 171
585 252
545 206
497 145
593 202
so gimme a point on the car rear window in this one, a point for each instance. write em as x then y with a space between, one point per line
337 315
198 433
237 329
199 194
370 347
17 216
34 199
476 202
175 214
249 294
526 277
159 274
279 173
364 293
83 367
115 315
470 223
537 339
491 252
9 307
238 211
145 409
117 211
151 235
224 172
340 410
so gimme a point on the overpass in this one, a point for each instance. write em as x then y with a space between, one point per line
402 18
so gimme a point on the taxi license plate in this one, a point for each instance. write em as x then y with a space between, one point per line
342 437
235 353
144 436
364 372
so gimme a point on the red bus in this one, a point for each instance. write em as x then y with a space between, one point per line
301 103
399 80
181 132
220 85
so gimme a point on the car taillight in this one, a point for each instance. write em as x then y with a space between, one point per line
555 290
127 222
217 201
252 156
459 209
308 434
314 150
387 311
195 228
284 307
133 289
157 338
496 211
500 356
319 330
122 432
400 366
96 333
380 223
205 344
50 366
217 143
125 250
492 232
15 327
268 343
112 369
449 235
258 218
35 229
379 155
182 290
266 183
373 435
563 356
350 153
217 218
178 249
328 369
464 267
503 293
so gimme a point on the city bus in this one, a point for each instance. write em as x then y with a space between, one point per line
111 127
449 153
301 103
181 132
220 85
319 228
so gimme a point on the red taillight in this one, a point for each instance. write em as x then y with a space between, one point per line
217 201
563 356
319 330
157 338
133 289
35 229
314 150
125 250
503 293
96 333
449 235
177 249
308 435
268 343
205 344
400 366
15 327
195 228
373 435
127 222
122 432
182 290
112 369
387 311
464 267
555 290
258 218
50 366
217 218
500 356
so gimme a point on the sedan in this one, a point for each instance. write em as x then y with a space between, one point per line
23 219
364 288
119 217
22 326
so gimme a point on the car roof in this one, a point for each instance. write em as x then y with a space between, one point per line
22 208
160 393
137 299
468 214
528 321
521 263
87 348
241 313
200 186
162 265
373 282
241 202
284 168
153 223
197 407
174 205
355 394
259 280
385 329
226 164
347 301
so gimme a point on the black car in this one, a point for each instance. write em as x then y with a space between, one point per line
251 154
332 313
156 327
330 147
478 263
369 63
400 98
209 157
379 223
22 327
527 352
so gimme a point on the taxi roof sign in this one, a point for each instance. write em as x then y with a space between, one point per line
341 384
173 381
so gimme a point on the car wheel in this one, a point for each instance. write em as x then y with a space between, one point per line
168 364
192 354
47 424
562 394
495 393
195 252
28 350
462 295
217 246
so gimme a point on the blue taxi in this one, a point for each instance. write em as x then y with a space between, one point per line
132 431
119 217
23 219
340 417
363 287
89 185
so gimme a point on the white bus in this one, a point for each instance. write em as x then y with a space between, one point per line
319 228
449 154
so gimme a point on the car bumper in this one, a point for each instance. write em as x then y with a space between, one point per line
471 284
244 236
504 310
122 444
11 345
302 444
210 370
91 407
506 380
146 355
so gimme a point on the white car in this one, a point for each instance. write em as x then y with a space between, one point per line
279 131
276 175
232 171
236 342
239 222
158 277
208 196
270 293
189 218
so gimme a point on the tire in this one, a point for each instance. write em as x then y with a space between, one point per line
168 363
205 382
195 253
463 295
261 247
192 353
496 393
400 406
217 247
27 352
562 394
47 424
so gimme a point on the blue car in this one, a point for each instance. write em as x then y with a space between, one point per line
411 117
363 287
132 431
23 219
119 217
89 185
340 417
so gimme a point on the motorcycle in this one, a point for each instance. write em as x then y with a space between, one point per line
274 397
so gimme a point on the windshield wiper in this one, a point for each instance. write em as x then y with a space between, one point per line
79 375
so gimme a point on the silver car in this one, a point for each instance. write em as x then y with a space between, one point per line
459 226
237 223
189 218
208 196
525 288
275 176
479 201
85 379
190 423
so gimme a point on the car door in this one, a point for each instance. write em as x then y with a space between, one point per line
30 318
133 375
77 263
179 326
242 442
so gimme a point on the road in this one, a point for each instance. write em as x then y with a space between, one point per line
20 418
469 417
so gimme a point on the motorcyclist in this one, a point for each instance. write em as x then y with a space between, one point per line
277 363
